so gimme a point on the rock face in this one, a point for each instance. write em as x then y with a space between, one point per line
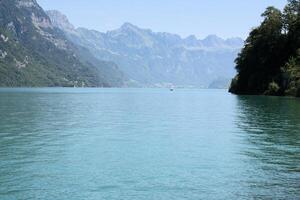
26 3
35 53
158 59
60 21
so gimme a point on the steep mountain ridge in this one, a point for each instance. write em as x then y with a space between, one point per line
35 53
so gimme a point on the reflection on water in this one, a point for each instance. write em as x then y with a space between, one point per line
270 143
147 144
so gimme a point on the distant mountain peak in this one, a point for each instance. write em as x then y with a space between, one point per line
60 20
213 37
128 25
235 41
191 37
192 41
131 27
136 36
213 41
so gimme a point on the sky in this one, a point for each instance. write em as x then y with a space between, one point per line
225 18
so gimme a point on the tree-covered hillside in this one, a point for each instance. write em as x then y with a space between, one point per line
35 53
269 63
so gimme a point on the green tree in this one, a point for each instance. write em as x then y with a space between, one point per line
291 73
291 17
269 62
261 59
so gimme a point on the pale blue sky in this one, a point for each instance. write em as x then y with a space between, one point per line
225 18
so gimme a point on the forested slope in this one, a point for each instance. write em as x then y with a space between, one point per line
269 63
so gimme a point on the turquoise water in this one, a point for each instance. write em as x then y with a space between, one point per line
140 144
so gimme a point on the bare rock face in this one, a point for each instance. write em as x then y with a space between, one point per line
21 64
11 28
3 54
41 22
60 21
4 38
26 3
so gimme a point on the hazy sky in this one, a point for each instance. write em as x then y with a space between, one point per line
225 18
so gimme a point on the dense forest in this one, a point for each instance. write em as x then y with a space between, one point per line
269 63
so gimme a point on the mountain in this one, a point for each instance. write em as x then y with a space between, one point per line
157 59
220 83
34 53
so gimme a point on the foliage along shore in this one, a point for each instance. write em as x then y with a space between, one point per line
269 63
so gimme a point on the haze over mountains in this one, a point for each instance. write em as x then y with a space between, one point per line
158 59
39 48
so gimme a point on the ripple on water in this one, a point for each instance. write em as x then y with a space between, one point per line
147 144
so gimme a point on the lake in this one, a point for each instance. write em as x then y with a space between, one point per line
147 144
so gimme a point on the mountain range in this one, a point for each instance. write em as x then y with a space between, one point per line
42 48
158 59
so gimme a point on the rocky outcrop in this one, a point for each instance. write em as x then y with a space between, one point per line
26 3
60 20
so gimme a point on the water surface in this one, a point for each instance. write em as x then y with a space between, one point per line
140 144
